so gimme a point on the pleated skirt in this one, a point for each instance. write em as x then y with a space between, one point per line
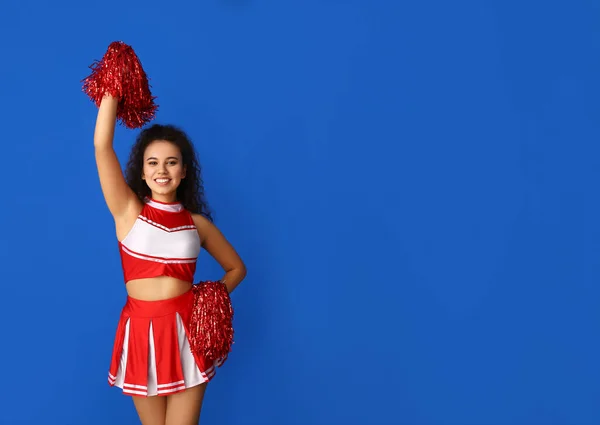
151 354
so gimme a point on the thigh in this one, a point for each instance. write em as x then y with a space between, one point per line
184 408
151 410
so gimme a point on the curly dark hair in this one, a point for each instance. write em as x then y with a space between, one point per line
191 189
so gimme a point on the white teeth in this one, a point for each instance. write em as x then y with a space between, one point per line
162 180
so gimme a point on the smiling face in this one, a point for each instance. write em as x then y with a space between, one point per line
163 170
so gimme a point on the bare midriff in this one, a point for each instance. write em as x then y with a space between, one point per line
157 288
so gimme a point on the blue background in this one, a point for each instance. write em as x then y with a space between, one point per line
412 185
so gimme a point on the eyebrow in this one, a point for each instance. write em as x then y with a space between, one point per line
171 157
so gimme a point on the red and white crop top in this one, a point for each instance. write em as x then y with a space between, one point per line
163 241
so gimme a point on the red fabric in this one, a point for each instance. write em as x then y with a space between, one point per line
168 365
161 315
138 268
137 359
138 265
167 218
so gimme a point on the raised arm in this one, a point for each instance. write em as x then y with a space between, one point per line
119 197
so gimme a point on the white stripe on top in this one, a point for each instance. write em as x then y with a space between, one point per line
148 239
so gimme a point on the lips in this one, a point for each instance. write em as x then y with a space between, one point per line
162 181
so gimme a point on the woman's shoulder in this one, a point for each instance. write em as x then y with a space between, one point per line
200 220
203 224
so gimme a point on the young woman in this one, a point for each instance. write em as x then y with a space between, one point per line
161 223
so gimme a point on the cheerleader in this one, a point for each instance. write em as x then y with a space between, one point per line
161 223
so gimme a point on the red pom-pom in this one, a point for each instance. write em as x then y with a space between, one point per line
211 327
121 75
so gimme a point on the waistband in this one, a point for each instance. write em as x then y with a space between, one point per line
140 308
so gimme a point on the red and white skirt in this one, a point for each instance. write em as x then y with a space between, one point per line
151 354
